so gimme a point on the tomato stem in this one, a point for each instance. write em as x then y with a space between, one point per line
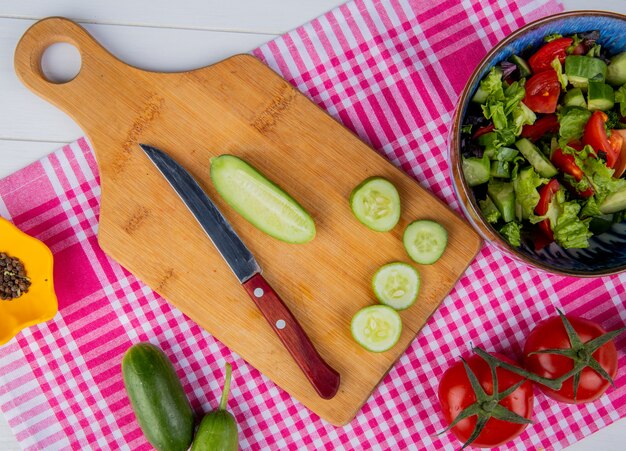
487 406
554 384
581 354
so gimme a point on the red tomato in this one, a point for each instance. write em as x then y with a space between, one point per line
620 164
546 124
455 394
542 59
542 92
567 164
483 131
595 136
546 192
551 334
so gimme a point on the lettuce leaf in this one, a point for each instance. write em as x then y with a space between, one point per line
526 194
522 115
511 232
558 67
571 232
572 122
502 100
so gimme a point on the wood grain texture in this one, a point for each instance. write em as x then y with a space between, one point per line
240 106
325 379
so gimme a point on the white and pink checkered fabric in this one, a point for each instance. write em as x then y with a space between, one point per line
391 71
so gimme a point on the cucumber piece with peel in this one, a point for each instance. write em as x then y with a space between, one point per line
218 429
396 285
542 165
157 398
260 201
377 328
616 72
600 96
375 202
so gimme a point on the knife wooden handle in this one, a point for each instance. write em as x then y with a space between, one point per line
324 378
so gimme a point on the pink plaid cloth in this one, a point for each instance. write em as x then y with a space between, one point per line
392 72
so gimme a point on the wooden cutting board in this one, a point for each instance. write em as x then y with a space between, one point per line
240 106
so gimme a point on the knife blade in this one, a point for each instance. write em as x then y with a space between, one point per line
322 376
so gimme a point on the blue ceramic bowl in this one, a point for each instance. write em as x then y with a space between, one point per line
606 253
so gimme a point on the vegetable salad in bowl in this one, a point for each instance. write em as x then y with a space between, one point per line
543 143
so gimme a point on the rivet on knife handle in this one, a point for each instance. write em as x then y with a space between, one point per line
322 376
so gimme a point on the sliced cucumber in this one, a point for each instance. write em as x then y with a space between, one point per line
600 96
500 169
476 170
542 165
503 196
480 96
376 204
616 72
582 69
260 201
377 328
425 241
575 97
396 285
522 65
614 202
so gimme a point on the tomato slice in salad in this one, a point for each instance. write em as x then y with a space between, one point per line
483 131
543 125
546 193
620 164
542 58
595 136
567 164
542 92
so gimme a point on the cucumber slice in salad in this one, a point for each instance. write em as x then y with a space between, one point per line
425 241
376 203
377 328
261 202
396 285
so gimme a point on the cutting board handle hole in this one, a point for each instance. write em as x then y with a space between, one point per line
60 62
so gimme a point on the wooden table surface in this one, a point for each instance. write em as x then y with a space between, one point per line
166 36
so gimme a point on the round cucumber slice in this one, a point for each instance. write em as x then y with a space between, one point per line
263 203
396 285
376 203
377 328
425 241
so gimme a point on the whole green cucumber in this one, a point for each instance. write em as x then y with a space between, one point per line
157 398
218 429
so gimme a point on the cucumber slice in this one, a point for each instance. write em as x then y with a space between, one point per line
480 96
575 97
396 285
522 65
376 204
377 328
600 96
614 202
581 69
476 170
261 202
503 196
425 241
500 169
616 72
542 165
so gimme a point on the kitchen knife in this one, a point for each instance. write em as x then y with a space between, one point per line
322 376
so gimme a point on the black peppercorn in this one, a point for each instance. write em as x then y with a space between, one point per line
13 280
